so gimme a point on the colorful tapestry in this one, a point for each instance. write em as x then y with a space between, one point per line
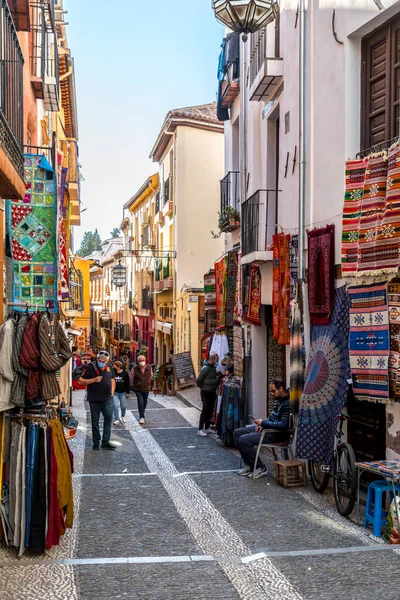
296 358
63 286
220 290
355 175
231 282
294 264
210 319
326 384
32 226
369 342
276 363
389 234
238 351
394 333
371 253
209 288
321 274
238 310
254 297
281 289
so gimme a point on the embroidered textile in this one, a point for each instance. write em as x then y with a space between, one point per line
394 333
296 358
389 233
294 264
220 291
326 384
63 286
254 299
32 230
355 175
369 342
238 310
231 287
210 318
281 289
321 273
209 288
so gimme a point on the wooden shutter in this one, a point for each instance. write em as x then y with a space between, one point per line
395 78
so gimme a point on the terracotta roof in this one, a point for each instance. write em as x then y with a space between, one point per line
204 112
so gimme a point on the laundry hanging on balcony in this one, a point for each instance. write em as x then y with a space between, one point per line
32 227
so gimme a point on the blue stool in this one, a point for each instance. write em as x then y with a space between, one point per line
374 512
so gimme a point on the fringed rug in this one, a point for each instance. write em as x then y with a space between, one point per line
220 291
231 282
371 255
389 234
281 289
326 384
321 273
254 298
32 226
209 288
369 342
238 310
355 175
394 332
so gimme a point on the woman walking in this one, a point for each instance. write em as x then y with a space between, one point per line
122 389
140 378
207 381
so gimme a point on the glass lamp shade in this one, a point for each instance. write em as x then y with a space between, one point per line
245 16
118 275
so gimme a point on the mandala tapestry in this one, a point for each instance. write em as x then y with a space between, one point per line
326 384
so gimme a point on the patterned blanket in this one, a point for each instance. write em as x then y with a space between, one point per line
281 289
32 226
394 332
369 342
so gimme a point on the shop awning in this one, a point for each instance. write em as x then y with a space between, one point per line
159 325
167 328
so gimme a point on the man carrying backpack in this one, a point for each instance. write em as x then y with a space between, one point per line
99 377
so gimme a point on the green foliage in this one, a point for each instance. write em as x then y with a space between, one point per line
115 232
91 242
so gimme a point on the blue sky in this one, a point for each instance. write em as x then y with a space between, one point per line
134 61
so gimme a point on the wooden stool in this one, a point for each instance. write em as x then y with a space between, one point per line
288 473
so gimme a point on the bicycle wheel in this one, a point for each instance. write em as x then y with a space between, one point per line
319 478
345 479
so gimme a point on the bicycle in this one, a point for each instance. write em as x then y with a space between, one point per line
343 471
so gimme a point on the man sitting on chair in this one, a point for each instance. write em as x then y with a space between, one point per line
247 438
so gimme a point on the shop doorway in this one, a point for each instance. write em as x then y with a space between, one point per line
276 357
367 428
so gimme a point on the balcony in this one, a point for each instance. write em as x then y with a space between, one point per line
229 215
266 66
230 85
11 109
169 208
20 12
159 218
168 283
44 55
259 216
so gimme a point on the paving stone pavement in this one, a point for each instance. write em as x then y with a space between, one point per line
165 517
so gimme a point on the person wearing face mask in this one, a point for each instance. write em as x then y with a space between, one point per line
140 378
99 377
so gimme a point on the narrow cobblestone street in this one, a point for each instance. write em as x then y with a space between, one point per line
166 518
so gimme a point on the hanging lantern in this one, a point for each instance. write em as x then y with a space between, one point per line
118 275
245 16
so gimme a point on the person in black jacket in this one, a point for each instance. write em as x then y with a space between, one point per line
247 438
122 389
208 381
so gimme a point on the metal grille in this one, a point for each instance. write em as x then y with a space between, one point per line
257 52
11 91
157 206
44 50
259 217
230 191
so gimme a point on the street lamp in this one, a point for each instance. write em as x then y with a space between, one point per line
118 275
245 16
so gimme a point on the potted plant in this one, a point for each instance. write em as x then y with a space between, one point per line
228 218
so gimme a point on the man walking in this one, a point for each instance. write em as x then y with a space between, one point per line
99 378
247 438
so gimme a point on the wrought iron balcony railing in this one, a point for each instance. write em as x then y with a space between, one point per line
259 215
44 53
11 91
230 201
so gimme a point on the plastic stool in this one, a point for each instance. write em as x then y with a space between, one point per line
374 512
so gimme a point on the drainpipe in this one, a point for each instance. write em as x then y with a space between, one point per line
243 122
302 140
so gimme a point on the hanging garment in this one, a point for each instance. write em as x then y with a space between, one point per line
64 478
31 446
231 282
220 345
326 384
19 474
20 371
231 412
14 450
254 297
55 521
30 356
6 370
321 274
20 539
38 515
296 358
55 351
220 291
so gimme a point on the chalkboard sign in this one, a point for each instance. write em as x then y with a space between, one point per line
184 370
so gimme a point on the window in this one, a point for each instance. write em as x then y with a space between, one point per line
166 190
380 90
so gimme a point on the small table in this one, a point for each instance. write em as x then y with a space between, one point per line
389 469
